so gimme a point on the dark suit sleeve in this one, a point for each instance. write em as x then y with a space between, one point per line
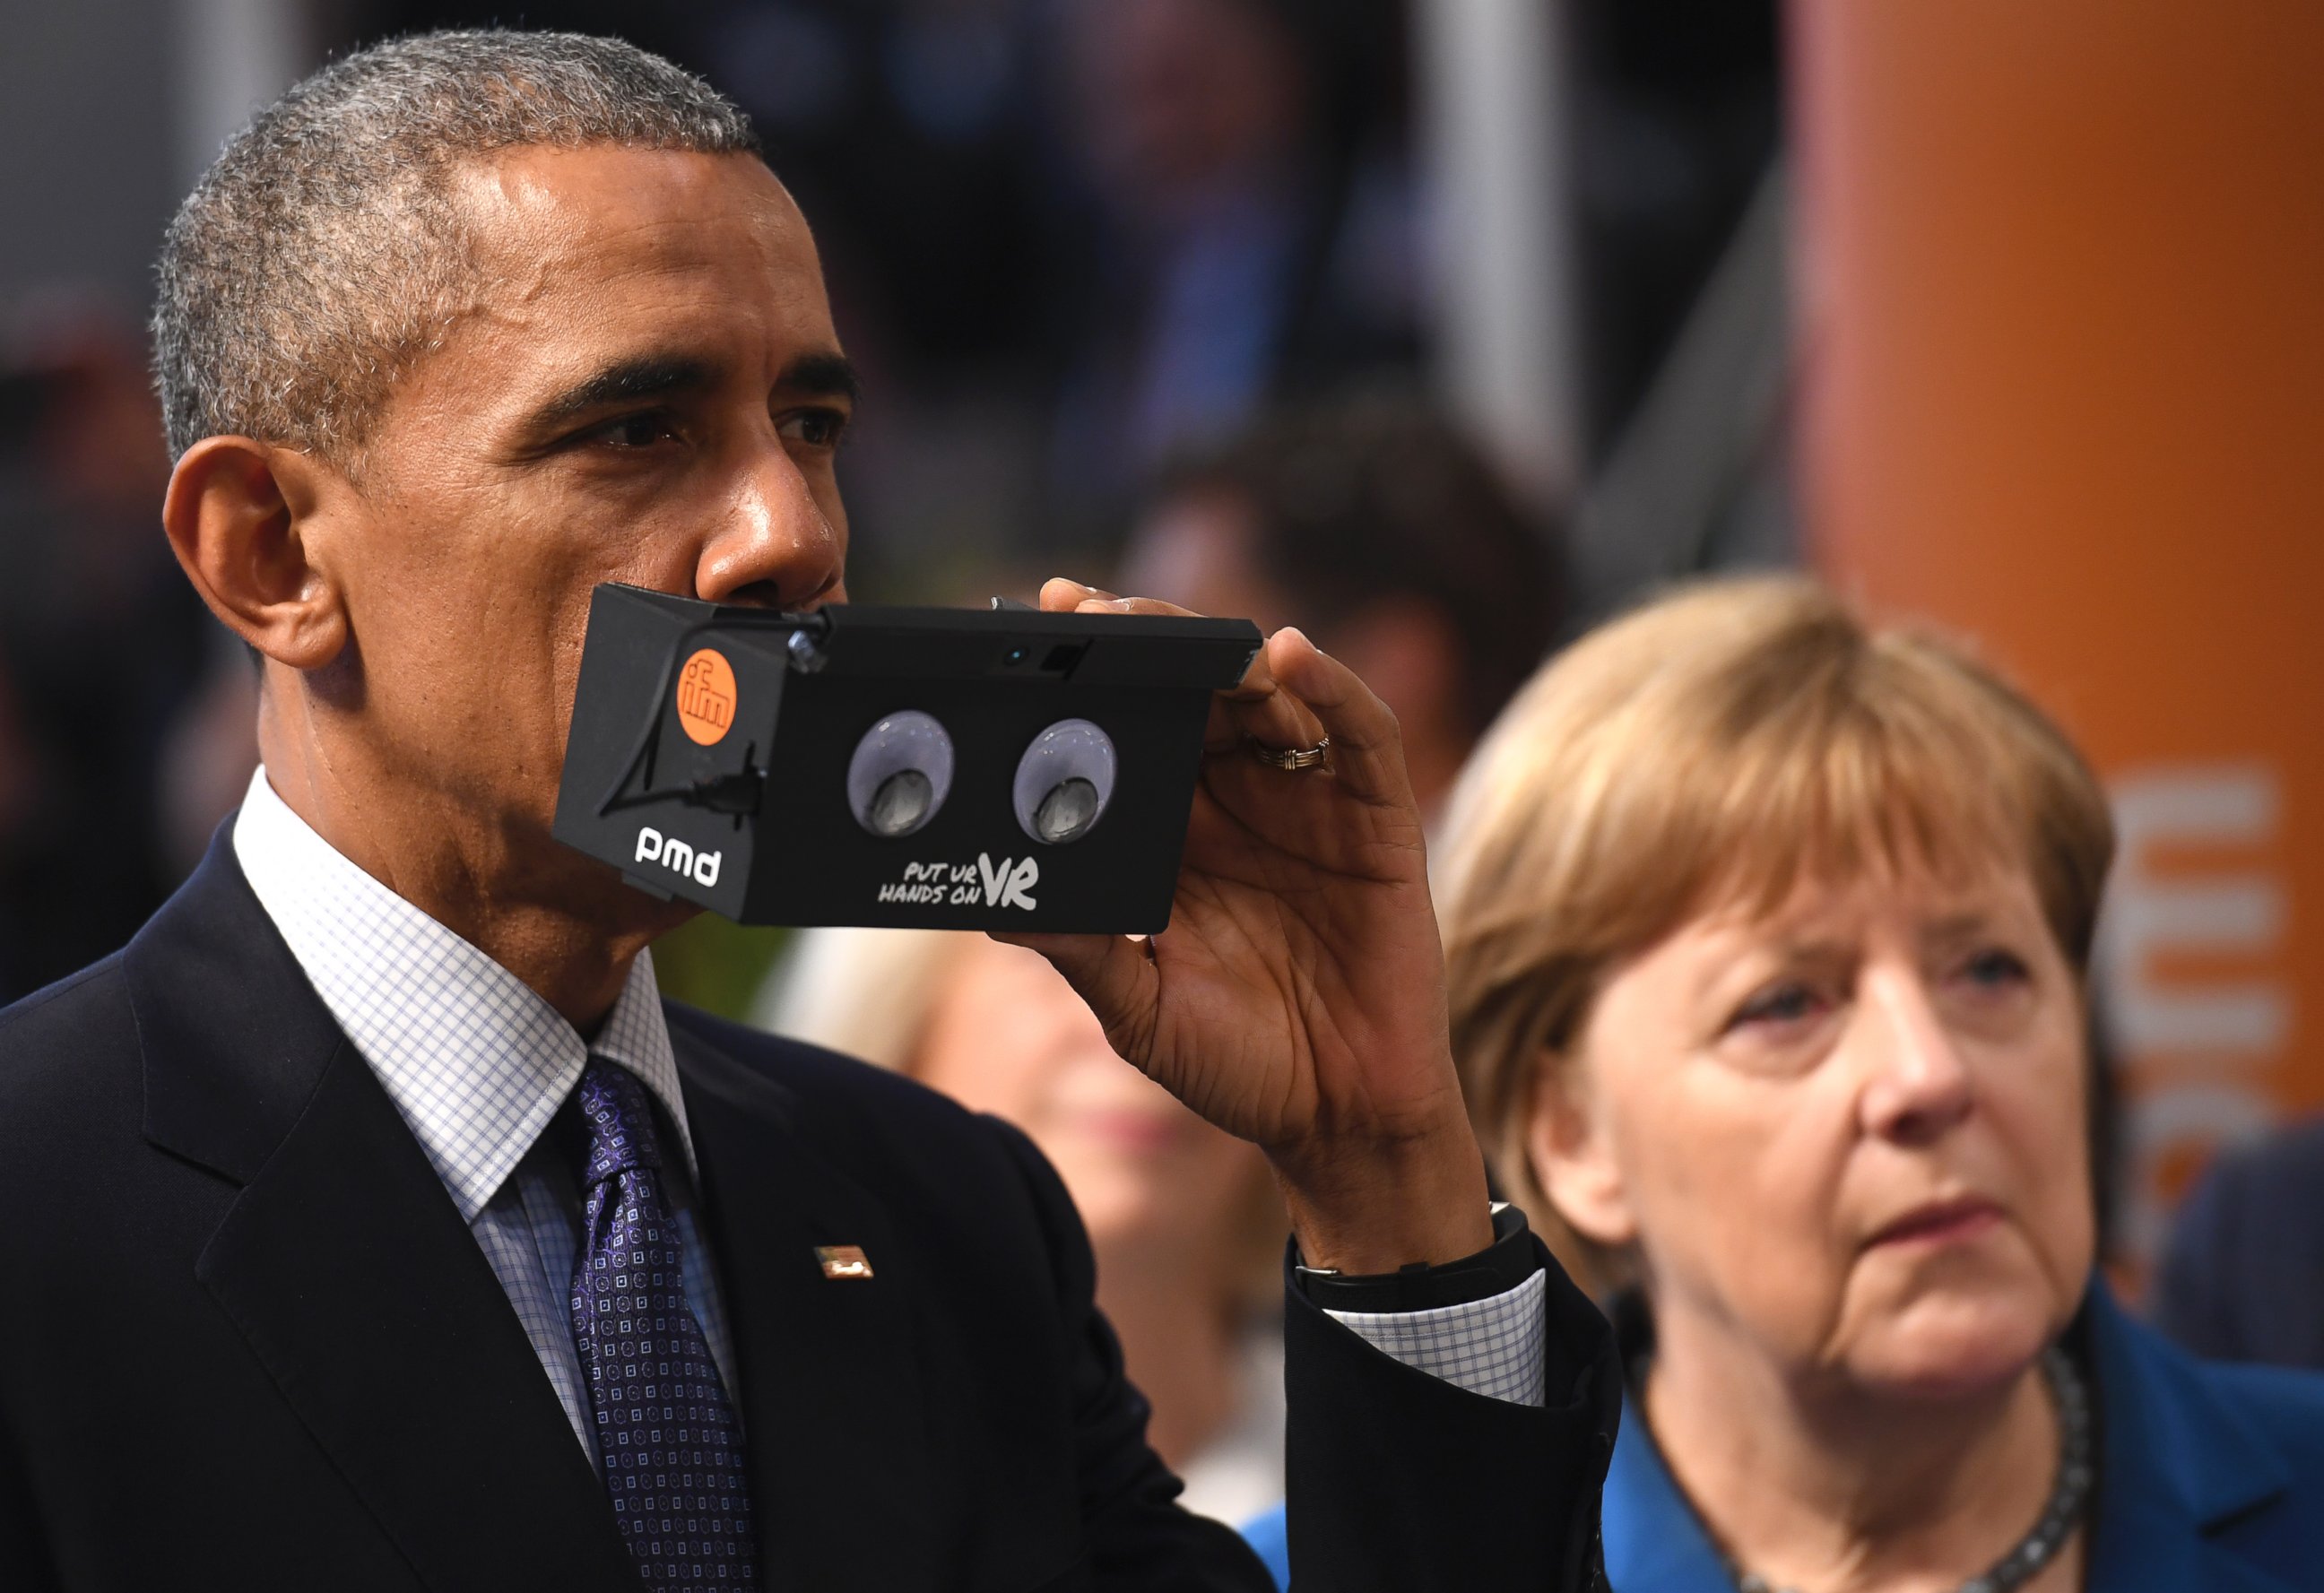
24 1565
1399 1482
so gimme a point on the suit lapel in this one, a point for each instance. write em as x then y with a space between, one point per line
830 1387
346 1267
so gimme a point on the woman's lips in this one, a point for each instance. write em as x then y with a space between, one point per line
1940 1222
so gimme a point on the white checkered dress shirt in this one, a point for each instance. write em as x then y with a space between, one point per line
478 1064
1493 1346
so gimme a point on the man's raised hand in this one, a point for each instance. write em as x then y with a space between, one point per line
1297 998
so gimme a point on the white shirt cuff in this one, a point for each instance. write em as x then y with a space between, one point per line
1493 1347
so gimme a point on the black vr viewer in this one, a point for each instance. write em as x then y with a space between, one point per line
943 768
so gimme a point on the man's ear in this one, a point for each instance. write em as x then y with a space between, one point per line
1572 1155
236 514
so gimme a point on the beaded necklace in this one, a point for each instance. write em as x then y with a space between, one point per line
2069 1494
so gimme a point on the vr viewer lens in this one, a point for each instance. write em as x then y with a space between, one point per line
1064 781
901 774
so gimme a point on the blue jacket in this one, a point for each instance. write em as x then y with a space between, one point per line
2211 1481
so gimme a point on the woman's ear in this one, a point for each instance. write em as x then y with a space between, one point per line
236 514
1572 1154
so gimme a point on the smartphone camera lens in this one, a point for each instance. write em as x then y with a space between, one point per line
1064 781
901 774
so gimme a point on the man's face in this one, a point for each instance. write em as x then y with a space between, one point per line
650 391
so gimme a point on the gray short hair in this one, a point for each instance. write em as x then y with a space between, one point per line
322 252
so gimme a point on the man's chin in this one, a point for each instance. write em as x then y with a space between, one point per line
544 872
622 909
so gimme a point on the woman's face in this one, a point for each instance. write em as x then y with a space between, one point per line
1008 1035
1848 1138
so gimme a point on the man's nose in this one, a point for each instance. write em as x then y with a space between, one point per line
1919 1084
777 546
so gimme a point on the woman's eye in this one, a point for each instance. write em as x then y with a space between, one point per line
1995 968
1783 1004
817 429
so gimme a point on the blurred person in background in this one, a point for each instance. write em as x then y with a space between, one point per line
1253 230
1370 522
1184 1219
103 648
1767 936
2241 1275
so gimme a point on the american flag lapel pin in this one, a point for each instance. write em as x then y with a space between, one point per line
844 1260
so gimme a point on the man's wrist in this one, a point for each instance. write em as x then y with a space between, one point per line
1500 1267
1420 1201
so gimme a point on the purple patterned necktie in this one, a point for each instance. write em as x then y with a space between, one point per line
667 1434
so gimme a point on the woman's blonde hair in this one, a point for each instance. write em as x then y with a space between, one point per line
1716 747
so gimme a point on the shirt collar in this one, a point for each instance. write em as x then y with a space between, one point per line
473 1057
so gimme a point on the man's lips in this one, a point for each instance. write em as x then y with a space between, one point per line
1940 1222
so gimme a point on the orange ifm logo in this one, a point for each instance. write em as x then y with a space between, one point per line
706 697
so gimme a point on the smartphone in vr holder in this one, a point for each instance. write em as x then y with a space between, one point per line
940 768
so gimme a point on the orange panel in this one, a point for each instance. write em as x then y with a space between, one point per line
2062 300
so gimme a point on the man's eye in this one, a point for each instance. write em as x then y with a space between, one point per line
640 430
817 429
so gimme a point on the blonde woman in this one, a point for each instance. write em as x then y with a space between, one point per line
1183 1218
1768 934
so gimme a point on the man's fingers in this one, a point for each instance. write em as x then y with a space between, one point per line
1113 974
1063 594
1367 754
1060 595
1292 696
1271 716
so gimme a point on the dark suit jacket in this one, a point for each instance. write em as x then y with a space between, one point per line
247 1341
2243 1276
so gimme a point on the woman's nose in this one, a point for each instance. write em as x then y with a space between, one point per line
1919 1084
777 546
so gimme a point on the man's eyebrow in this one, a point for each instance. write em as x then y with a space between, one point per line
625 381
824 375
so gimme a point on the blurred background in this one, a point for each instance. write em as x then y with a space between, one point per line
1441 327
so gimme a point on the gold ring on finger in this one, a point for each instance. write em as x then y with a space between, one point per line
1292 757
